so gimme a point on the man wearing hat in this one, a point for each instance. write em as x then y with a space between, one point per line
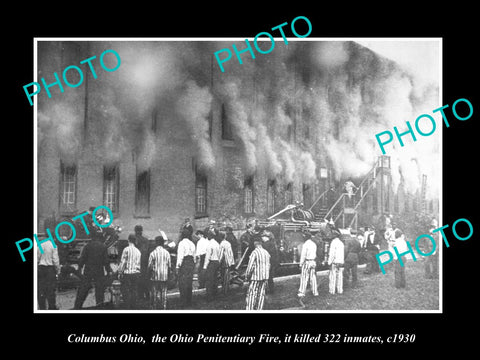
257 274
94 263
308 266
141 243
336 263
129 272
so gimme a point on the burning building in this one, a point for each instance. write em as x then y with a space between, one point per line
169 136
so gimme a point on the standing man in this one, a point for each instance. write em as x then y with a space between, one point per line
94 258
246 241
227 261
232 239
336 263
308 265
159 266
352 252
401 245
141 243
372 244
129 272
212 263
257 274
270 246
48 266
200 253
431 262
185 267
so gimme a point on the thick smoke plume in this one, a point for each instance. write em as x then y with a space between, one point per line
304 106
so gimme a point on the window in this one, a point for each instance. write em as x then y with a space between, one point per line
289 194
142 194
248 195
271 197
68 188
227 131
110 187
200 194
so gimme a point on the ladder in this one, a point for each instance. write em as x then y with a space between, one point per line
346 206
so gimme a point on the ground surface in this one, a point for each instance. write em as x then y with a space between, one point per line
373 292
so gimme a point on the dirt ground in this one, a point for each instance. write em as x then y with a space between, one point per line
373 292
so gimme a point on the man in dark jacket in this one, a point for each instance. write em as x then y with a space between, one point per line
94 262
232 239
246 241
352 251
268 243
142 244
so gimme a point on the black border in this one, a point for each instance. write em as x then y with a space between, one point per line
455 25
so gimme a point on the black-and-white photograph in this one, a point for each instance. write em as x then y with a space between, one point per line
233 175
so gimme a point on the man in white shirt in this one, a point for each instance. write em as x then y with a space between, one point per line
336 262
200 253
129 272
226 261
212 264
48 268
185 267
401 245
308 266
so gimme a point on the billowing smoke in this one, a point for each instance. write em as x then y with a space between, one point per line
237 111
194 105
303 106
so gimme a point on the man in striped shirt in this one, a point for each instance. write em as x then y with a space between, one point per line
257 273
308 266
336 262
212 263
159 266
226 261
129 272
185 267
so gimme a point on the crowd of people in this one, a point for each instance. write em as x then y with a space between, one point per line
146 270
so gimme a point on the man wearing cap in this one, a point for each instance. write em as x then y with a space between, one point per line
185 267
129 272
94 262
257 274
308 266
211 265
141 243
336 263
159 264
